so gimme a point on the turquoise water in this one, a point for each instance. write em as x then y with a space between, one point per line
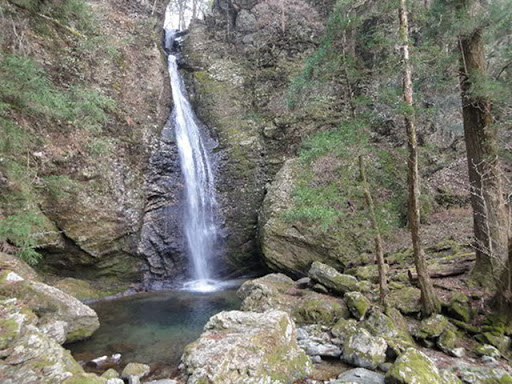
153 327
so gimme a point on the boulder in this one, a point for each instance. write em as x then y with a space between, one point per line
413 367
343 328
448 341
432 327
459 307
317 341
133 372
358 304
292 247
483 375
29 356
61 316
488 350
332 279
359 376
246 348
277 291
406 300
364 350
449 377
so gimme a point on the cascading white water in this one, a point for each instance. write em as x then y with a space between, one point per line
200 227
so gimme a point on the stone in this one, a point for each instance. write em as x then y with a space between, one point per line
432 327
483 375
14 263
85 378
292 247
459 307
406 300
488 350
110 373
358 304
115 380
303 282
364 350
499 341
133 372
61 316
332 279
246 348
163 381
359 376
447 341
30 356
277 291
413 367
316 341
449 377
343 328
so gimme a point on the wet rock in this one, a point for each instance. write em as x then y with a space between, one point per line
359 376
413 367
364 350
277 291
133 372
332 279
358 304
246 348
62 317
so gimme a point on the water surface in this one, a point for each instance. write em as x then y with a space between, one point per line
153 327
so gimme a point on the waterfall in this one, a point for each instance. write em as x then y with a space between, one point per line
199 219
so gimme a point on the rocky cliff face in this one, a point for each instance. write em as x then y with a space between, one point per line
83 200
237 68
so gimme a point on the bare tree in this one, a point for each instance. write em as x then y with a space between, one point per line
379 253
429 302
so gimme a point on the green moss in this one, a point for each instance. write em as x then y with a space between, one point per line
315 311
357 303
432 327
85 378
413 367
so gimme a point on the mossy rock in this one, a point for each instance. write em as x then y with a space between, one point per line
84 290
332 279
85 378
361 349
343 328
459 308
14 263
413 367
406 300
487 350
501 342
432 327
448 341
365 272
483 375
319 309
449 377
358 304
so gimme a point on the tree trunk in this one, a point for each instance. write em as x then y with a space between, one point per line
429 302
379 253
490 219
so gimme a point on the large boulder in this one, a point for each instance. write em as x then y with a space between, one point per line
277 291
246 348
30 356
332 279
61 316
483 375
364 350
359 376
413 367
